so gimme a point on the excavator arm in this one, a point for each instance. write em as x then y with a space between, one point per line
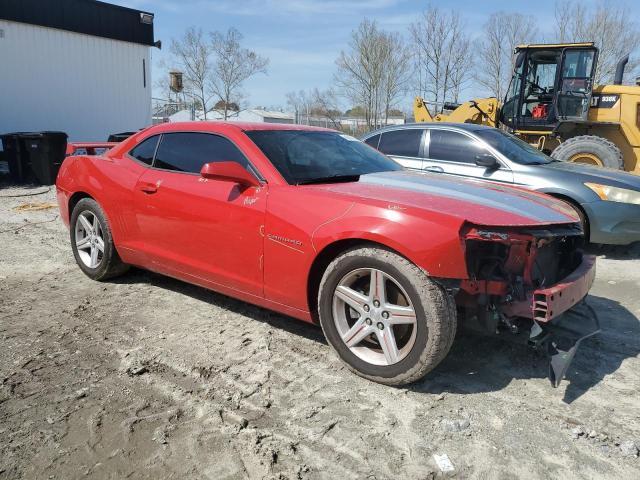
481 111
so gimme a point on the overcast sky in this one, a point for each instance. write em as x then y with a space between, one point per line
302 38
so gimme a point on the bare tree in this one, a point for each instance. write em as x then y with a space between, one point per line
609 25
316 106
502 33
397 72
325 105
369 73
442 54
462 68
193 56
232 66
301 104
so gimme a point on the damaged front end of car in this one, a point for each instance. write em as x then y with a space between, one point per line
530 283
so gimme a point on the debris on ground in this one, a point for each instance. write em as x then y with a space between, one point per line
577 432
629 448
443 462
33 206
452 426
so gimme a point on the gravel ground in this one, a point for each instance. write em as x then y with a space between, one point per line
148 377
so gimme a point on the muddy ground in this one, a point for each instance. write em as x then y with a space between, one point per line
148 377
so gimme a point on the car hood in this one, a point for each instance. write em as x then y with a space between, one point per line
477 202
585 173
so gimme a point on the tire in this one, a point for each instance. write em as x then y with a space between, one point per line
107 263
597 151
421 346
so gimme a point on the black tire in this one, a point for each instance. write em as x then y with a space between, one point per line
110 265
434 308
605 151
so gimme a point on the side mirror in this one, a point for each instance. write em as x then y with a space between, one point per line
487 160
229 171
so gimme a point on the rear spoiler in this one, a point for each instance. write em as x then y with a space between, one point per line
88 148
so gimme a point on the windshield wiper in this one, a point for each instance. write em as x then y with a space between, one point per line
330 179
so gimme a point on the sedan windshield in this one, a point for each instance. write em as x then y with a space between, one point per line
512 147
303 156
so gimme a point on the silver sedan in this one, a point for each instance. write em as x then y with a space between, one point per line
607 200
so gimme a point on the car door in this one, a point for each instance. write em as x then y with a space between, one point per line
454 152
197 228
404 146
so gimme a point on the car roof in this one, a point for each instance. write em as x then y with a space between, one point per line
469 127
220 126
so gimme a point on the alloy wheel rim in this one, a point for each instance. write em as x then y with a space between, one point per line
588 158
89 238
374 316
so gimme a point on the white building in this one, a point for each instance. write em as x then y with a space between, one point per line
353 125
356 123
265 116
78 66
251 115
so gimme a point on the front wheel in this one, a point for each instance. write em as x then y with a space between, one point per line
591 150
384 317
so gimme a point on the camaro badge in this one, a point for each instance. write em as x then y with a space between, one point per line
288 241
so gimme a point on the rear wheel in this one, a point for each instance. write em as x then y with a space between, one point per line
591 150
384 317
92 242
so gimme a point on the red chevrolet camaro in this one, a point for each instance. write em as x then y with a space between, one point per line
314 224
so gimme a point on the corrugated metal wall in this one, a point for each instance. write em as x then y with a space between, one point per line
86 86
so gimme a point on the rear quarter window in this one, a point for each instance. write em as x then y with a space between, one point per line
373 141
143 152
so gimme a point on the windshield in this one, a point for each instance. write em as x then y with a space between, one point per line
303 156
512 147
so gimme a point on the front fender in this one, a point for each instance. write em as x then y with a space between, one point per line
431 243
579 199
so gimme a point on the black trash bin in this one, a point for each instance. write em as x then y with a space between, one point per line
46 152
17 157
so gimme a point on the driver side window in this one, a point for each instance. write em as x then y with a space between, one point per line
453 147
188 151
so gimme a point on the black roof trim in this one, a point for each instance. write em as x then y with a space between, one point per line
90 17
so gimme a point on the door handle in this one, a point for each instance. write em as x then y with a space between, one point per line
434 169
149 187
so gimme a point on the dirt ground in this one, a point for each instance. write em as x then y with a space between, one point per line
148 377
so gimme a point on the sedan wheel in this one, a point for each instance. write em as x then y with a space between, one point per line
384 316
89 239
374 316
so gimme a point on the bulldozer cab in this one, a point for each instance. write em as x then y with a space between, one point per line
550 84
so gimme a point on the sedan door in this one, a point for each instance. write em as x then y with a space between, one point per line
201 229
405 146
454 152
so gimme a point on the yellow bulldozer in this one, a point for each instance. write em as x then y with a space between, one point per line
552 103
